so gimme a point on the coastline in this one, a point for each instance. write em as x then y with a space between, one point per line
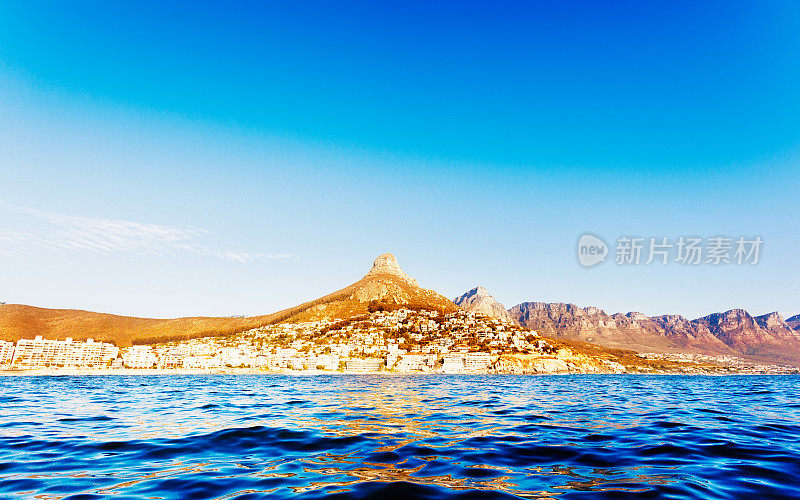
133 372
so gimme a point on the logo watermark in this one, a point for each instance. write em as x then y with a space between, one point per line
591 250
683 250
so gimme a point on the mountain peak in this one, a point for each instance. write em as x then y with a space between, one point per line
387 264
794 322
476 292
384 286
773 321
479 300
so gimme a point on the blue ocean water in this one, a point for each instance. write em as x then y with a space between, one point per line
432 436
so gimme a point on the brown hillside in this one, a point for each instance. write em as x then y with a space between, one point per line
384 285
20 321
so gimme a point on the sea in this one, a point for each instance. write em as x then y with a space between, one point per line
387 436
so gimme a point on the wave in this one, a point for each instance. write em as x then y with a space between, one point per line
420 437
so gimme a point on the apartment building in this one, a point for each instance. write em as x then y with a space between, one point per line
411 362
44 352
476 361
139 356
6 352
453 362
363 365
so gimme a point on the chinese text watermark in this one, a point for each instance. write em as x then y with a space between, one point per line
683 250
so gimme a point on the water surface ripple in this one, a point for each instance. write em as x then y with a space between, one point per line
417 436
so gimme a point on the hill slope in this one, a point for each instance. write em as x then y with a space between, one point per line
21 321
384 286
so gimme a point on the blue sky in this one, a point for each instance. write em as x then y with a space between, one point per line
217 160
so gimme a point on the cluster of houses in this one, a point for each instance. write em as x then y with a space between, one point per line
402 340
731 363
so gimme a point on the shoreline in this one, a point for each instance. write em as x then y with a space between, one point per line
133 372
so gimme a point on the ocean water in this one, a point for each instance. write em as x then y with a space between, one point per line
432 436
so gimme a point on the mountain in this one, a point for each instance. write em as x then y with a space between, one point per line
479 301
633 330
384 286
690 335
765 336
734 332
794 322
768 337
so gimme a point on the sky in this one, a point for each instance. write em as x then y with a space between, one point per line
239 158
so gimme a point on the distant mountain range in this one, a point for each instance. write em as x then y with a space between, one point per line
386 286
735 332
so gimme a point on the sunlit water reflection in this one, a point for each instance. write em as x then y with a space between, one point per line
417 436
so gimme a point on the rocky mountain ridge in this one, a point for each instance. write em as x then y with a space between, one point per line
794 322
480 301
734 332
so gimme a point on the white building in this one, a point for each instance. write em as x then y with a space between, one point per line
363 365
476 361
140 356
297 363
411 362
453 362
171 360
6 352
236 357
327 362
202 362
283 355
44 352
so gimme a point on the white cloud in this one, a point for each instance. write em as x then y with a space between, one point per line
63 232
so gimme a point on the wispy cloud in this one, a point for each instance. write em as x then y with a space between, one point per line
62 232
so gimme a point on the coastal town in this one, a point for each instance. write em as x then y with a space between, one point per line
383 341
